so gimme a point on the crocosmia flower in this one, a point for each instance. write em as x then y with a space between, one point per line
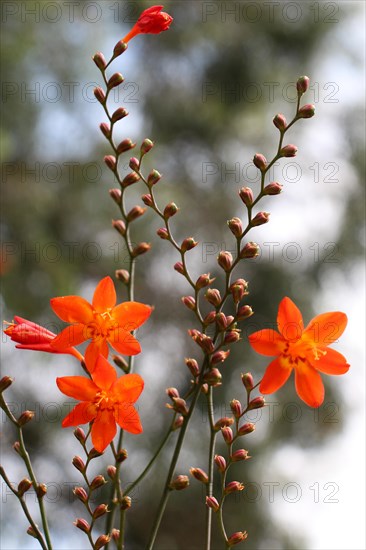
304 350
101 322
151 21
29 335
106 400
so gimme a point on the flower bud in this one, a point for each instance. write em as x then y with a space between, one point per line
146 146
260 219
248 381
227 434
115 533
120 113
179 267
240 454
232 336
233 487
235 226
213 377
179 483
101 541
24 486
203 281
219 356
213 296
206 343
41 490
170 210
236 408
162 232
82 524
130 179
99 511
178 422
272 188
115 80
147 199
238 289
120 226
210 318
78 463
288 151
256 403
119 48
122 275
97 482
179 405
25 417
250 250
221 321
223 423
244 312
119 360
17 449
93 453
105 129
280 122
31 532
111 162
193 366
211 502
126 503
302 84
172 392
307 111
116 195
99 60
204 389
246 195
237 537
246 428
135 212
153 177
134 164
111 471
189 302
121 456
5 382
220 463
260 161
125 145
99 95
225 260
199 474
81 494
188 244
141 249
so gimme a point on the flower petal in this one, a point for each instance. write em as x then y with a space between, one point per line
289 320
92 352
277 373
78 387
124 342
266 342
104 375
326 328
81 414
309 385
128 418
131 315
72 309
103 429
332 362
104 295
128 388
69 337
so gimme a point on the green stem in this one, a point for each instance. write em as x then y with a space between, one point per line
209 486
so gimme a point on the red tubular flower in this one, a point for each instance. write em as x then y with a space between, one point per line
105 400
304 350
151 21
29 335
102 322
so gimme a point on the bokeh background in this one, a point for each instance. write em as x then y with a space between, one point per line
206 93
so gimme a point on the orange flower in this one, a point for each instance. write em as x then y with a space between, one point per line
102 322
105 400
151 21
29 335
305 350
